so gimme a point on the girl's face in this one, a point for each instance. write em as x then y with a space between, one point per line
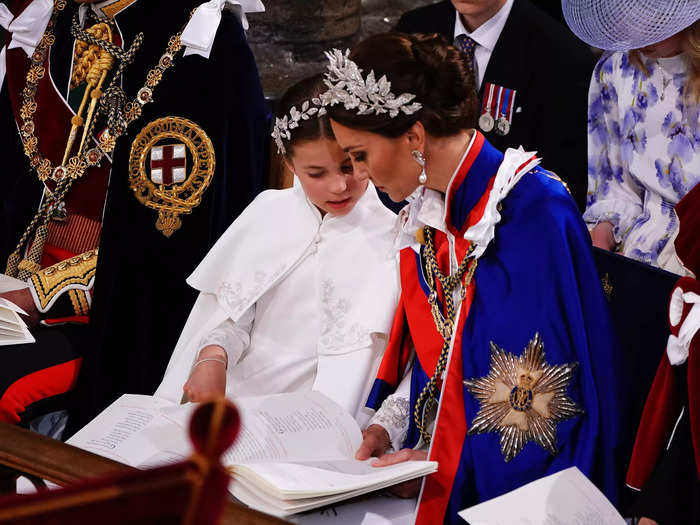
666 48
387 161
326 175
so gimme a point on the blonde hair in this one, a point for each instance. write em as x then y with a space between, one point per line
690 45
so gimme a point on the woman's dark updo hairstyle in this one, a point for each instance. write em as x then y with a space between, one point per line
426 66
315 127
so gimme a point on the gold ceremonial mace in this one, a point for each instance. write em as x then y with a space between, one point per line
95 78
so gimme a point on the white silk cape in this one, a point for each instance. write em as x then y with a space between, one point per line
261 247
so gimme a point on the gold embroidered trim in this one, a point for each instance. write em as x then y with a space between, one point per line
50 282
112 9
79 301
607 286
556 177
174 198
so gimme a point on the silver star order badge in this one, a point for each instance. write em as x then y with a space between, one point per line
523 398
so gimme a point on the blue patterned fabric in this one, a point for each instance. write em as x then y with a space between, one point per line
643 153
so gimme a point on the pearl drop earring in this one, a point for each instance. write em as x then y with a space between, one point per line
420 159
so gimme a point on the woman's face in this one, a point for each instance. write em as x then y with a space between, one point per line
388 162
326 175
666 48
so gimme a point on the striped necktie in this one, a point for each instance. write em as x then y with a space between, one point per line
467 46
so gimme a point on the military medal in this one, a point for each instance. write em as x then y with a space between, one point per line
505 110
502 126
486 121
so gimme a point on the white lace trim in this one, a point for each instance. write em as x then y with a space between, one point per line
394 417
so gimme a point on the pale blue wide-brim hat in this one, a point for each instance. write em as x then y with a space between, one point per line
621 25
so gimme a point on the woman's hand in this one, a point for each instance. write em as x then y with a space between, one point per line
602 236
407 489
23 298
375 442
208 378
646 521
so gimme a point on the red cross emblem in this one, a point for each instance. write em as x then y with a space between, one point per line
168 164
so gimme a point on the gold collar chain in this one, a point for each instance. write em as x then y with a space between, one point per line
445 323
75 166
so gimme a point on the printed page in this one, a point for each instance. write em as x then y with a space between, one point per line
13 330
134 430
299 426
565 497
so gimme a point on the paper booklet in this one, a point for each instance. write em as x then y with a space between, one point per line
13 330
10 284
295 451
565 497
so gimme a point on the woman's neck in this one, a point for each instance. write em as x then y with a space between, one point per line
442 158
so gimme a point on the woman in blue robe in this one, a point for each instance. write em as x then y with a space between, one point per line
501 364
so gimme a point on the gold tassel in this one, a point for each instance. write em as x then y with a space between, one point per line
12 265
31 265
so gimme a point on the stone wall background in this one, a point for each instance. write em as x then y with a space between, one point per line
288 40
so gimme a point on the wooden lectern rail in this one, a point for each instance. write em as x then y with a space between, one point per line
40 458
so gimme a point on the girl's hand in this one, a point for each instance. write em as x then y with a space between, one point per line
208 378
602 236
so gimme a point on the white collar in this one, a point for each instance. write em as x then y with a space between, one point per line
426 207
487 34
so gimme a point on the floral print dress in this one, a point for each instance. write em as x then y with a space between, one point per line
643 153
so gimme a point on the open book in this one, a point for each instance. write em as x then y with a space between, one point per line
295 451
13 330
565 497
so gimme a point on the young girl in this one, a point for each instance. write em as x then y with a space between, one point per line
643 124
299 293
514 375
644 161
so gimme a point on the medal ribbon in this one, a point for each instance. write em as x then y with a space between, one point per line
509 113
486 105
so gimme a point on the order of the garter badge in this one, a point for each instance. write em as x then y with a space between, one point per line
523 398
158 169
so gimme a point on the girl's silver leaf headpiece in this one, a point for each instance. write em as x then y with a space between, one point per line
347 86
284 126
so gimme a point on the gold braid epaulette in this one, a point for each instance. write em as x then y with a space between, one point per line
51 281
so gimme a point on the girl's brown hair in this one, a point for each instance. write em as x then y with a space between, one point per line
426 66
315 127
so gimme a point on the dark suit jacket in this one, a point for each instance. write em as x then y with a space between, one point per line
551 71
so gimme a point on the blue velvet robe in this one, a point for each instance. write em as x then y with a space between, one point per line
536 276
